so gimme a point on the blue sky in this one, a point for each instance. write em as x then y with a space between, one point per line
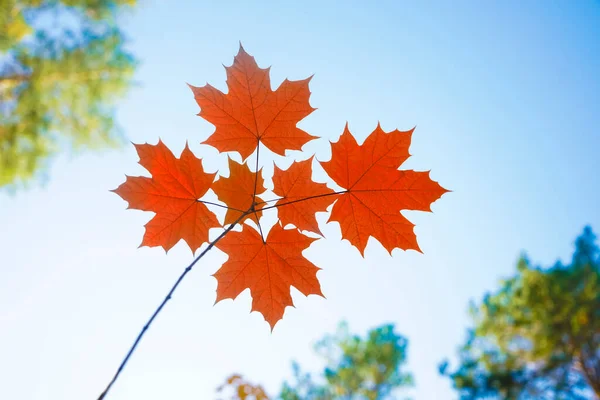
506 100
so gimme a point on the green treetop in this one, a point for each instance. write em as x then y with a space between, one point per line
358 368
62 67
538 335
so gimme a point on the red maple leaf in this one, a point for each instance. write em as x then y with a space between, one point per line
240 192
301 198
376 191
268 268
251 112
172 193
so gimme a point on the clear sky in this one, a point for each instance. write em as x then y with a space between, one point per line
506 100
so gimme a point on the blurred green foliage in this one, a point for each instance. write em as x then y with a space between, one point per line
62 67
538 335
365 368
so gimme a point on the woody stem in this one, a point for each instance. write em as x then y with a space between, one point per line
219 205
256 170
302 199
254 194
165 300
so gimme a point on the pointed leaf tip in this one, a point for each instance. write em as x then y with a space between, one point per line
250 263
377 191
273 114
172 194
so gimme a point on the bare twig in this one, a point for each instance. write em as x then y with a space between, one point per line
166 299
251 210
258 203
303 199
259 227
256 169
220 205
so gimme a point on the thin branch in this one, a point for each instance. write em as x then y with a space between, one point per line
303 199
256 169
15 78
220 205
76 76
166 299
589 371
253 207
269 201
259 227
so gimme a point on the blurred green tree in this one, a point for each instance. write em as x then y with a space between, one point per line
369 368
62 66
538 335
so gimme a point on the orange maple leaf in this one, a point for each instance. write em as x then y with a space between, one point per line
376 191
172 193
242 389
301 197
251 112
240 192
268 268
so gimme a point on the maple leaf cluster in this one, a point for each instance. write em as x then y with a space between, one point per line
249 116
